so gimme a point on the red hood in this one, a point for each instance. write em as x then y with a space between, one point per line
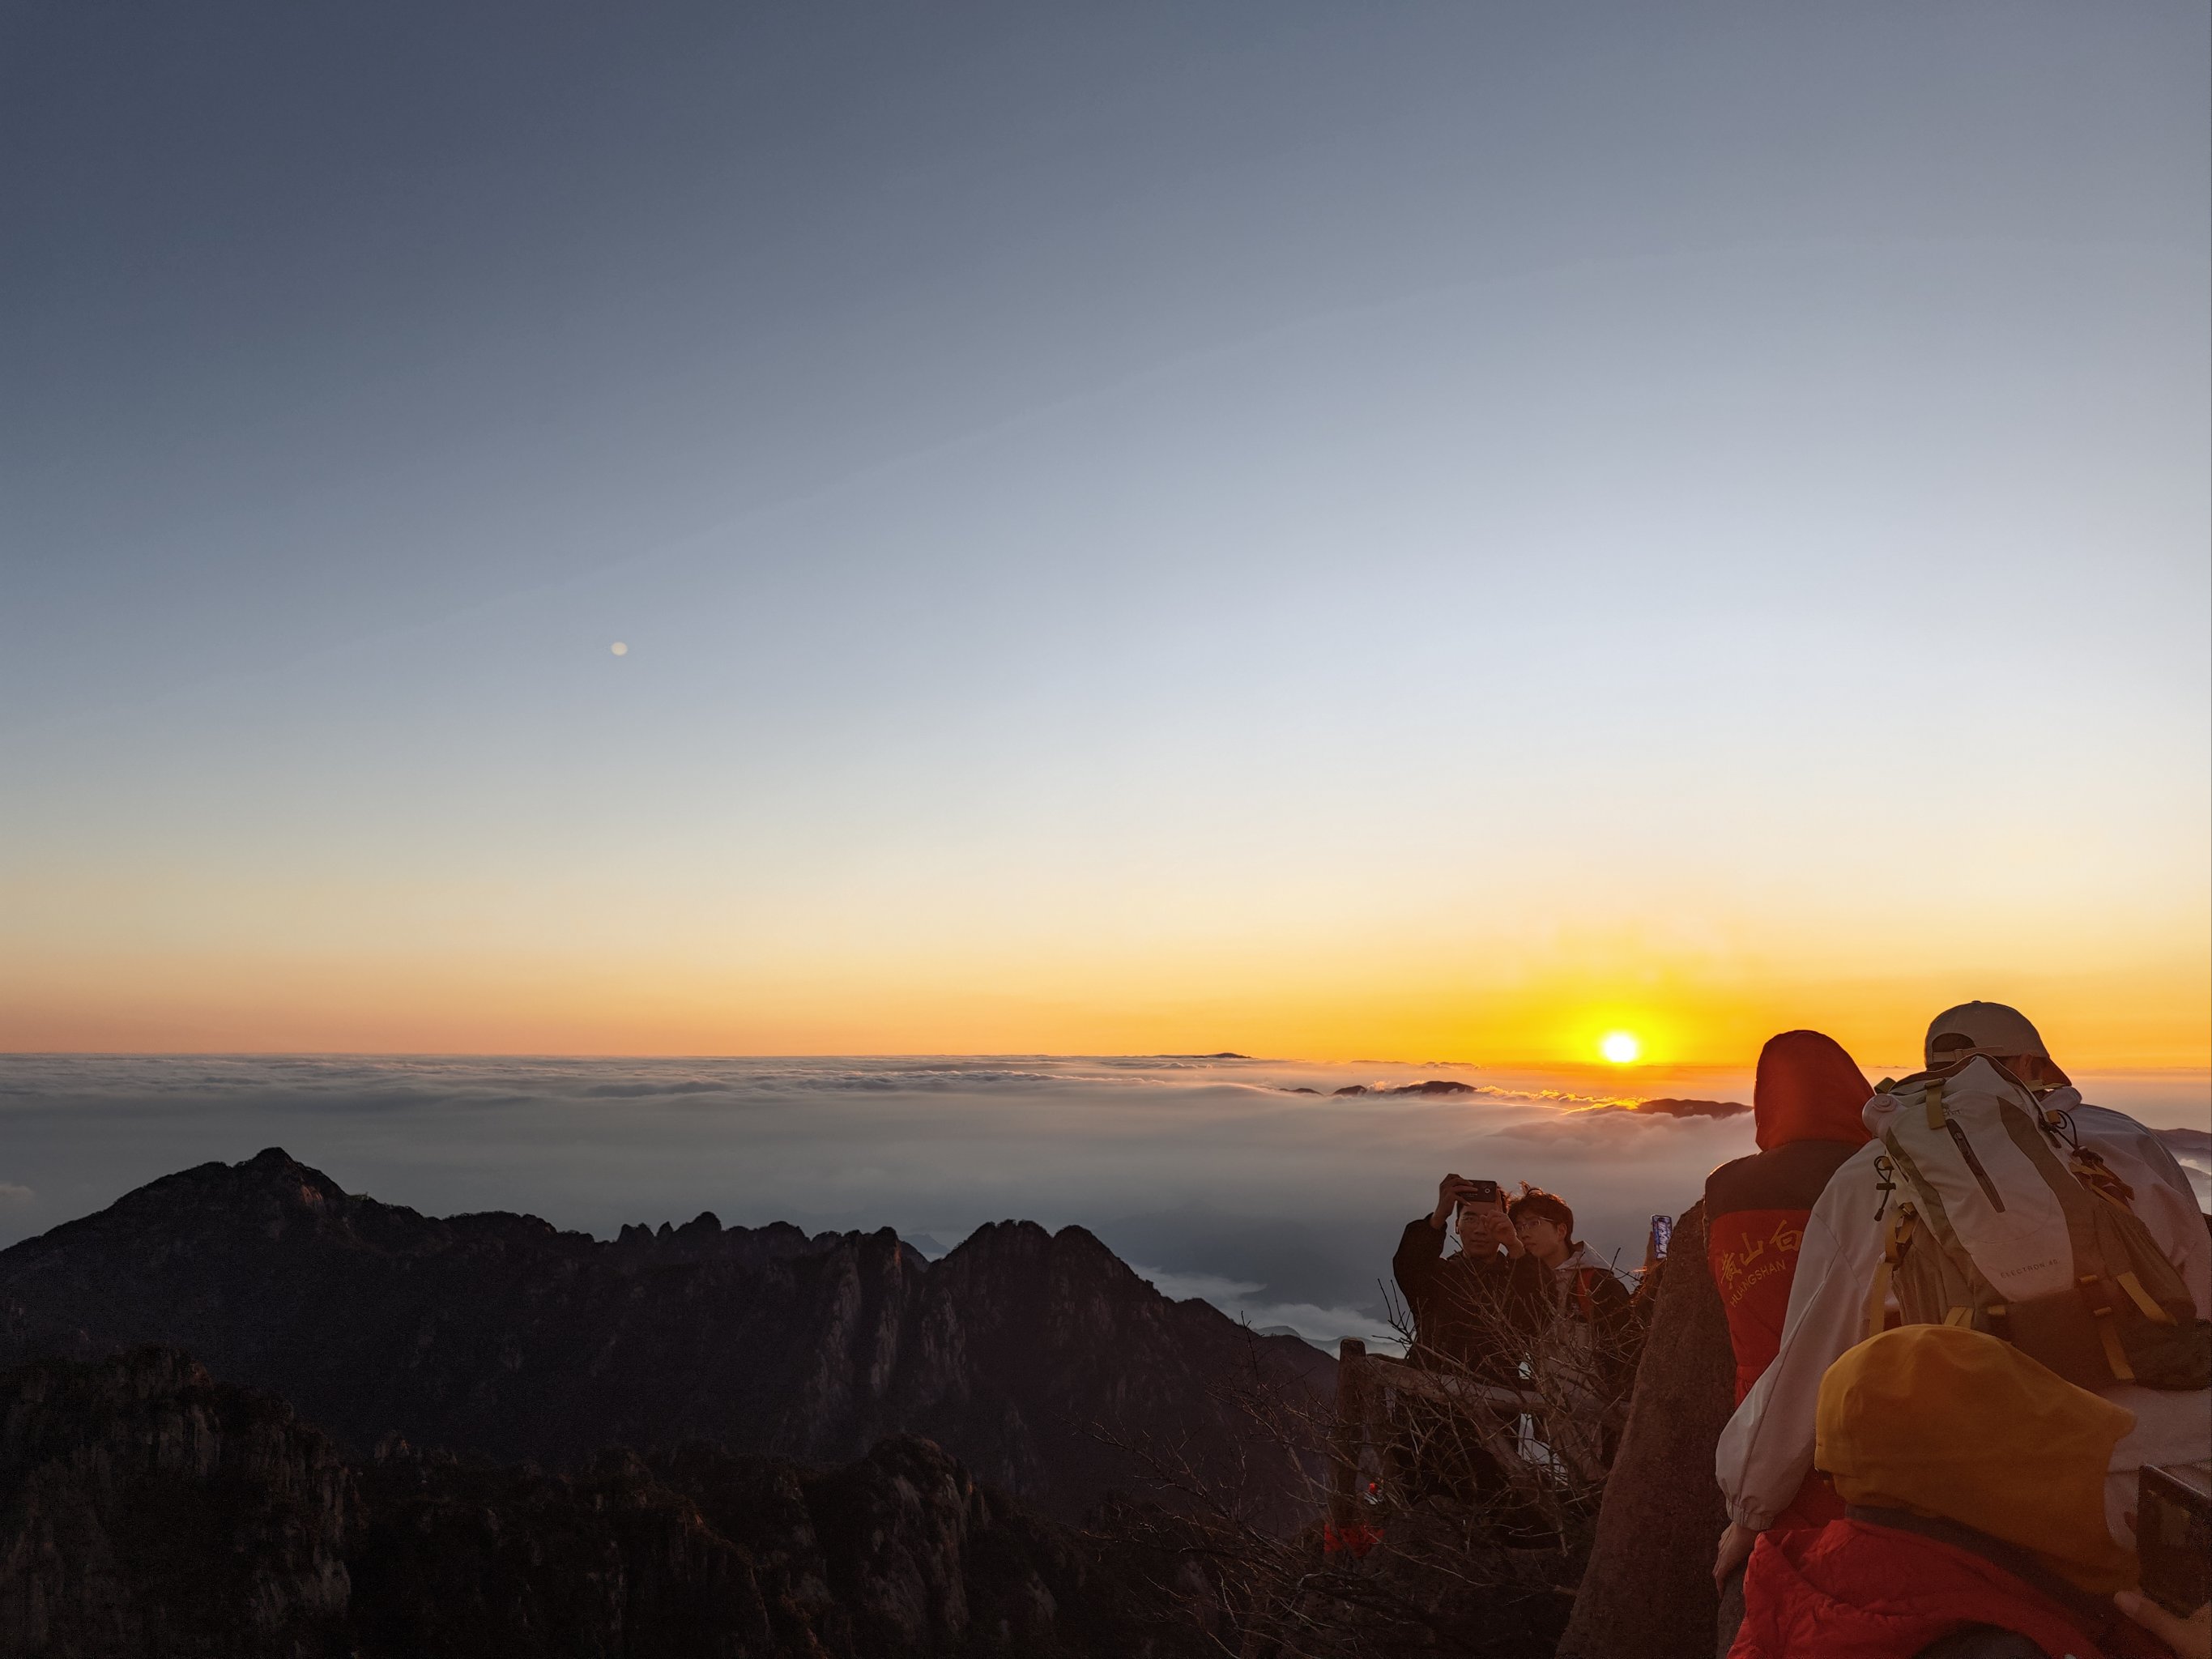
1809 1089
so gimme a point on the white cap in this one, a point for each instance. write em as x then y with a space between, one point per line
1983 1027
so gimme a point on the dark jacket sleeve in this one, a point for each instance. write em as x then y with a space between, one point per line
1420 1257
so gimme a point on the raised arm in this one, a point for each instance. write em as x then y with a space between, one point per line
1421 1246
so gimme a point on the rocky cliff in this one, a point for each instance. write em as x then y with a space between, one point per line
142 1511
497 1336
146 1509
1648 1591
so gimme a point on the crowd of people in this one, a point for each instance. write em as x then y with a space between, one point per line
1968 1311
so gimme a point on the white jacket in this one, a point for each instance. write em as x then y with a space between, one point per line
1767 1447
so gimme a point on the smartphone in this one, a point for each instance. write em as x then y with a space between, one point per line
1484 1192
1662 1230
2173 1535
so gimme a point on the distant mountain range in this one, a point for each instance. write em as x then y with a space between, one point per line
499 1337
1668 1107
1435 1085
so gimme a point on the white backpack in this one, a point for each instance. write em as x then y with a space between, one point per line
1997 1217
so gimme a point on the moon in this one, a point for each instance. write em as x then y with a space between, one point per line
619 648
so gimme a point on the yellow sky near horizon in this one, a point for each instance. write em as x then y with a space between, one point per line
1318 1008
1447 935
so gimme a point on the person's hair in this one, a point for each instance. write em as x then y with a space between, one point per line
1545 1206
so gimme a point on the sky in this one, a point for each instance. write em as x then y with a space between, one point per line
1428 534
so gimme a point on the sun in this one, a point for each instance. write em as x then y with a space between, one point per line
1621 1048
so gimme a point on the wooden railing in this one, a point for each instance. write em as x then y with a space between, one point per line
1365 1385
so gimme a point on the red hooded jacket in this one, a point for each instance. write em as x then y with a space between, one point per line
1852 1590
1806 1105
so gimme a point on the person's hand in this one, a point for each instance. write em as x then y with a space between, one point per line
1507 1234
1478 1228
1450 1191
1735 1546
2190 1638
1497 1227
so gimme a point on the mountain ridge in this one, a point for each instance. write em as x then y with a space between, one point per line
497 1335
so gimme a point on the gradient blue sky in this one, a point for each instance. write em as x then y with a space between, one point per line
1420 531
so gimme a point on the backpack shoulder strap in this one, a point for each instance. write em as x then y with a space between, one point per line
1902 1221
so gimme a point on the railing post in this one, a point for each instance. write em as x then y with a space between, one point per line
1349 1437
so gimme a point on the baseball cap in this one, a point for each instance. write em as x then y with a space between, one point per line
1983 1027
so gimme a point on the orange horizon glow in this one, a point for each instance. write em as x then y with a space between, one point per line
487 1007
221 957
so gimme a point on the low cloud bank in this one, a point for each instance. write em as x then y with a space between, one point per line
1248 1303
1205 1169
2192 1150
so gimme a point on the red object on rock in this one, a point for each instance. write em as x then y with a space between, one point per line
1354 1541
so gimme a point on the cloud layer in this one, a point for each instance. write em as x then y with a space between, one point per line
1279 1207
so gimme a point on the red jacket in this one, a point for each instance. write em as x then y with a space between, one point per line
1806 1106
1852 1590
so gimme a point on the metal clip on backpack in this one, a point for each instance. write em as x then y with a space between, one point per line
2006 1224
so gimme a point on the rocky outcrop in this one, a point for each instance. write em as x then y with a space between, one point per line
498 1336
1648 1592
1432 1086
145 1509
1667 1106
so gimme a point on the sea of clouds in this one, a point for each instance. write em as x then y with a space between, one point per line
1211 1176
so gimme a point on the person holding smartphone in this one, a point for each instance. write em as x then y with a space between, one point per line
1462 1310
1521 1288
1458 1300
